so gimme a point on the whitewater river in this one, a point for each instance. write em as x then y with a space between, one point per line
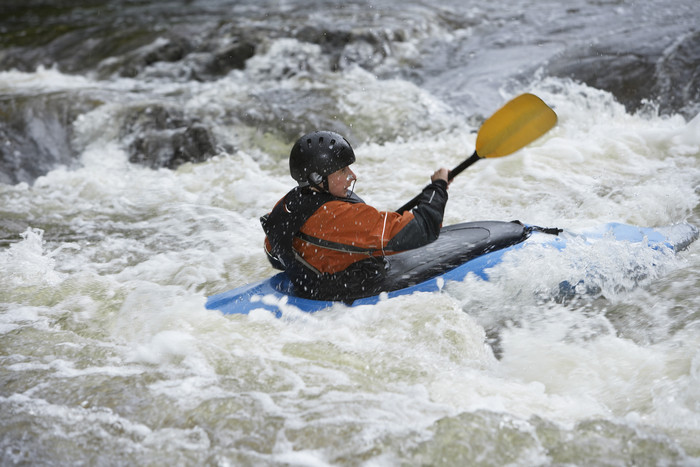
142 141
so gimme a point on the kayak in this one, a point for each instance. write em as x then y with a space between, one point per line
460 250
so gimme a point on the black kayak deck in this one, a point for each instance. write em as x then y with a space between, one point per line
456 245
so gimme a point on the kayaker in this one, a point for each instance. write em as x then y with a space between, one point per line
332 244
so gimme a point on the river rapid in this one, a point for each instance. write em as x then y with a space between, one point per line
143 140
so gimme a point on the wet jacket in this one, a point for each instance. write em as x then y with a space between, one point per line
333 248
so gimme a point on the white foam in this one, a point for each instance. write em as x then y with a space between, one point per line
26 262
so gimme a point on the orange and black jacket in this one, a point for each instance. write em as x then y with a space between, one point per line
332 248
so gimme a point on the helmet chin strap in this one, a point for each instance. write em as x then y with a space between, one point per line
351 190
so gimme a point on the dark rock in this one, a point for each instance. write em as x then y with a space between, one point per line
657 71
626 75
231 58
168 50
161 137
366 49
677 76
195 144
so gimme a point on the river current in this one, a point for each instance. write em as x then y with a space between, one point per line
142 141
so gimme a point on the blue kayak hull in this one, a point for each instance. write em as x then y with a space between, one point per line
275 293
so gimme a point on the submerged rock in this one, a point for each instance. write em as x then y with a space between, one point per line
36 133
658 68
677 76
230 57
160 137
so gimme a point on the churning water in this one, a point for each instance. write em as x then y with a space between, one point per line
143 140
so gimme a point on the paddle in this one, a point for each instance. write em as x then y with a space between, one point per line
513 126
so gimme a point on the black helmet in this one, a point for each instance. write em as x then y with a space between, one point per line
318 154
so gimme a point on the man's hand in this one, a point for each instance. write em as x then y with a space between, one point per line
441 174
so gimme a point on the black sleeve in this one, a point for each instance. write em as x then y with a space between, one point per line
425 226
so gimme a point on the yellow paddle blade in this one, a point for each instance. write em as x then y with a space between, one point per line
515 125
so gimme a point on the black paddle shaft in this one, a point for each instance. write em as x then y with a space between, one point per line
452 174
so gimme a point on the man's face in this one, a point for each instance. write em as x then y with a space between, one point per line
340 181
